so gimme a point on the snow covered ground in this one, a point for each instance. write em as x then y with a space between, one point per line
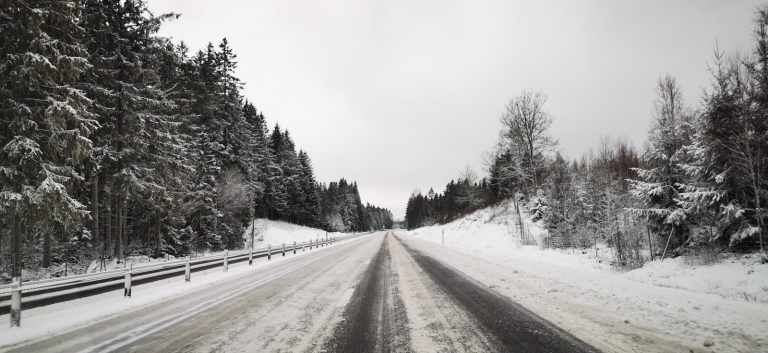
735 277
674 305
491 233
277 232
268 232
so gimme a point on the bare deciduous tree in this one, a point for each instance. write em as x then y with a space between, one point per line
234 194
526 133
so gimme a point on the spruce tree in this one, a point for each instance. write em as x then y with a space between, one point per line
658 185
310 211
47 120
136 145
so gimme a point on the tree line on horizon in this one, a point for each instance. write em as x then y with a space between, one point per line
115 142
701 180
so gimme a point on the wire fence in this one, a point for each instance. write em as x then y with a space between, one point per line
524 232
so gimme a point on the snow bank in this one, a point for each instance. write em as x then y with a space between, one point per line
492 234
737 277
267 232
277 232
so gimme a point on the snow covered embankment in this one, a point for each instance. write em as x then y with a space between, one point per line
664 306
492 234
268 232
276 232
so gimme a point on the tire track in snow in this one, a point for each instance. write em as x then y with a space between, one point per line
515 328
375 319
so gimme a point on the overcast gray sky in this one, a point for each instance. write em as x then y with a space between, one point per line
401 95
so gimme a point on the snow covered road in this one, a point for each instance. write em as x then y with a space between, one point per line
286 305
380 293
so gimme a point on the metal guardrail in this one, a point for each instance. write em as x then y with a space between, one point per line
55 290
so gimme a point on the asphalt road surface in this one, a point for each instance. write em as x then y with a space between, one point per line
373 294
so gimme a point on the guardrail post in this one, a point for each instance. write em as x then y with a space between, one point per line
269 252
250 258
294 247
226 260
310 244
283 249
187 271
127 287
16 303
303 246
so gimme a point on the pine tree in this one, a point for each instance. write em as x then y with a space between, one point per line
310 210
705 188
136 145
658 186
729 162
502 186
276 196
292 175
47 120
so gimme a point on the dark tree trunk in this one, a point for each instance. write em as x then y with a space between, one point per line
46 249
119 227
157 249
125 225
95 206
16 254
108 230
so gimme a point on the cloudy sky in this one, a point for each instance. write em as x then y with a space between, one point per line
402 95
